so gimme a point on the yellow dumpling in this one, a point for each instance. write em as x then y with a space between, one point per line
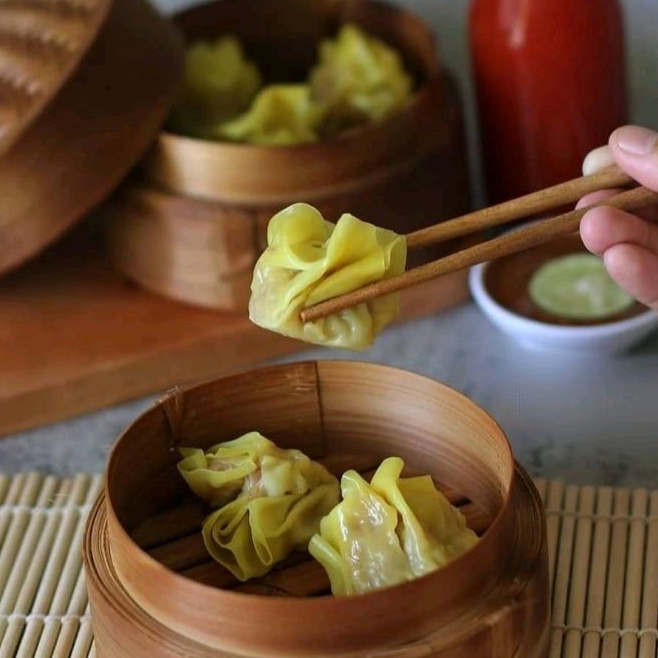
281 115
388 532
309 260
270 501
358 79
218 475
219 83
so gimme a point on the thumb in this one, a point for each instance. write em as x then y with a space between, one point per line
636 151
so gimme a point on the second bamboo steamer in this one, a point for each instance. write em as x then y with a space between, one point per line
191 223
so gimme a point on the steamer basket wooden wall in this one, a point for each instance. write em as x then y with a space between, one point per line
191 225
154 590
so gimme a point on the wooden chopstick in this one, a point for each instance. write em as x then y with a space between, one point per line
508 243
524 206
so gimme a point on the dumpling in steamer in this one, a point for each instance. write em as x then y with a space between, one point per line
219 83
309 260
270 501
280 115
388 532
359 79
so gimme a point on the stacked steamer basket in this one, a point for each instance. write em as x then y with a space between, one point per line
81 98
191 225
154 591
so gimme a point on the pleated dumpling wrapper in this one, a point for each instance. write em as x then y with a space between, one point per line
388 532
309 260
281 115
219 83
358 79
270 501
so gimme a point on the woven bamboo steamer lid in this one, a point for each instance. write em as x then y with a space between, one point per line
491 602
84 87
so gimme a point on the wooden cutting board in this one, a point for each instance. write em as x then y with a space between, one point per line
75 336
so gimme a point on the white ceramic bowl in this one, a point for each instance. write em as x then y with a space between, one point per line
607 337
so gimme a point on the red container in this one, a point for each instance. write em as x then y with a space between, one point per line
549 77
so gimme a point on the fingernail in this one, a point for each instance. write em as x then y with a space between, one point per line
597 159
636 140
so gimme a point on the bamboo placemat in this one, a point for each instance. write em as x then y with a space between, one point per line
603 558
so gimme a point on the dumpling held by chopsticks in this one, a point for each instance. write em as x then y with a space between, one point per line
309 260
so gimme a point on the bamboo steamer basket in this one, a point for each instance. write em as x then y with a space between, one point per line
84 87
192 224
154 591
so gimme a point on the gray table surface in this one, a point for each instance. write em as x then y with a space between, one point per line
580 418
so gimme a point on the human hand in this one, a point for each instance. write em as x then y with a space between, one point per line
627 243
